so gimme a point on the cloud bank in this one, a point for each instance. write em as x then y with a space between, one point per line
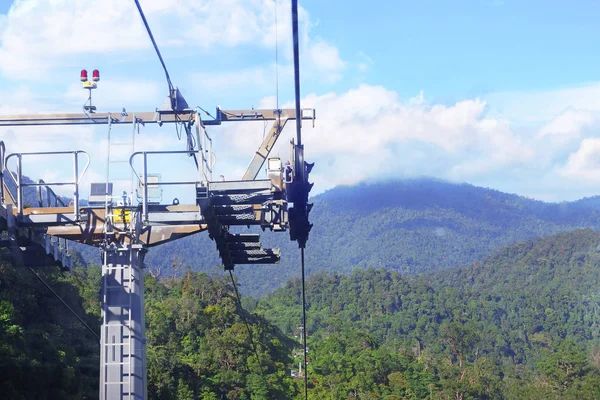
542 144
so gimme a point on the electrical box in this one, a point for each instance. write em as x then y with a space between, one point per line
154 189
275 172
98 194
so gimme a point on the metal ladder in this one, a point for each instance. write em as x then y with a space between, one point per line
111 144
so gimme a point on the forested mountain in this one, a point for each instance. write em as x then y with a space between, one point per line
198 339
523 323
45 353
410 226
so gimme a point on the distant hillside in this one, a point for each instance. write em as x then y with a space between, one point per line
410 226
30 194
521 324
541 285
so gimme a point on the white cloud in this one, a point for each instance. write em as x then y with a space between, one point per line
326 59
369 132
37 35
370 118
539 107
417 100
568 124
365 133
259 77
40 35
538 139
584 164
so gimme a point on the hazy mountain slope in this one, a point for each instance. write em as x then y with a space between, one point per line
411 226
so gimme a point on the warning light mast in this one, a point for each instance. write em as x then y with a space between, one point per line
89 85
93 84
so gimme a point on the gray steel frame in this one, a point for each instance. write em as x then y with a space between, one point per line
157 117
280 116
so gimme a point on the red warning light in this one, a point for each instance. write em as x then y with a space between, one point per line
96 75
84 76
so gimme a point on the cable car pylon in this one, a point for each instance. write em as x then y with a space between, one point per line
126 229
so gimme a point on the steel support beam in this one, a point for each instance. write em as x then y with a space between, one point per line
150 117
263 151
260 115
240 186
156 117
281 117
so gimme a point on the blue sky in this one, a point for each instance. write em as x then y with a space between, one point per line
463 48
502 94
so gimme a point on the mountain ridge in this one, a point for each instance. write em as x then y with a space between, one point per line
412 226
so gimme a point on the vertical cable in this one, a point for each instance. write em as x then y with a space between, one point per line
296 72
276 59
304 324
299 144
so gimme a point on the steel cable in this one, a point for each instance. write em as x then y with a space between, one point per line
252 344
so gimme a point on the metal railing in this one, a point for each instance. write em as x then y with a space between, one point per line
18 178
52 199
143 178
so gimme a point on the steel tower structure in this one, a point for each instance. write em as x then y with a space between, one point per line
126 229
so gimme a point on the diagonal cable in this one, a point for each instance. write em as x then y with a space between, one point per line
252 344
63 302
170 84
162 62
